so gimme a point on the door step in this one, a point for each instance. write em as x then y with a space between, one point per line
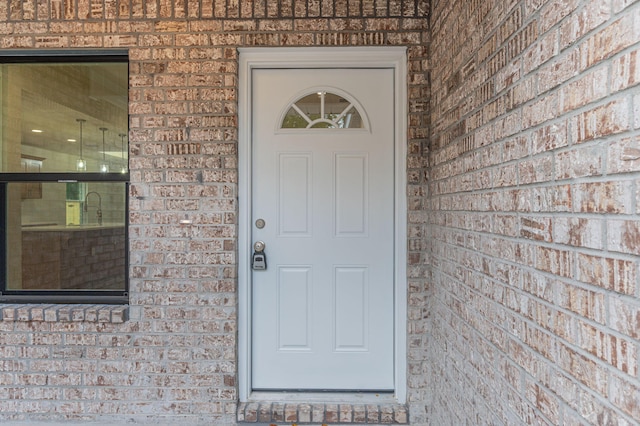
280 413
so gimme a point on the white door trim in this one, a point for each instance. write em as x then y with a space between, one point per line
314 57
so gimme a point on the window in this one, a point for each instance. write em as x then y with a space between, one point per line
322 109
63 177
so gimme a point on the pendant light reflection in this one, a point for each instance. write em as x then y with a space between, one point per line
81 165
104 167
124 162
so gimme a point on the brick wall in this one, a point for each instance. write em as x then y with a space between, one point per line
523 225
175 356
534 209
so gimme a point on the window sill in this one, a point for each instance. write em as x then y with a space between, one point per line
114 314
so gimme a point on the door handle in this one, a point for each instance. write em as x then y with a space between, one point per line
259 246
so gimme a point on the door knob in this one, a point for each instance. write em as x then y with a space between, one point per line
258 246
258 259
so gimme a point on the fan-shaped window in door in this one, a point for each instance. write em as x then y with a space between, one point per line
323 109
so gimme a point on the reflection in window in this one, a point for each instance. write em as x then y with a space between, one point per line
63 177
58 110
322 110
71 239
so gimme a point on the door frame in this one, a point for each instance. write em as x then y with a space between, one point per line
321 57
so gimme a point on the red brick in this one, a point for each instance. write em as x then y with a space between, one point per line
556 11
559 71
579 232
601 121
543 400
539 169
617 352
613 274
515 148
593 14
626 396
603 197
578 163
589 88
557 262
536 228
619 5
624 236
540 111
623 156
583 369
332 415
625 71
610 40
317 413
549 137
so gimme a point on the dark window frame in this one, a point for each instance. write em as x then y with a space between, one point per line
62 296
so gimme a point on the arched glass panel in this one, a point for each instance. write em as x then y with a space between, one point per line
322 110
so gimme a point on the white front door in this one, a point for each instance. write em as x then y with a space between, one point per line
323 204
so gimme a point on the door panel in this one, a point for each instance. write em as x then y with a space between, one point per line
351 307
351 194
294 194
294 308
322 311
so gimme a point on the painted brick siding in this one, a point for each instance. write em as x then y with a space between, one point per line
533 213
174 357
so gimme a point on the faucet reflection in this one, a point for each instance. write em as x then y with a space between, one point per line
99 211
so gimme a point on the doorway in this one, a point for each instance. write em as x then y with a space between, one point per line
324 187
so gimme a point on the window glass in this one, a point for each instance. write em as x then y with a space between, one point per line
322 110
64 178
72 116
72 238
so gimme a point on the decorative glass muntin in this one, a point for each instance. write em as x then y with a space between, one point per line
323 108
